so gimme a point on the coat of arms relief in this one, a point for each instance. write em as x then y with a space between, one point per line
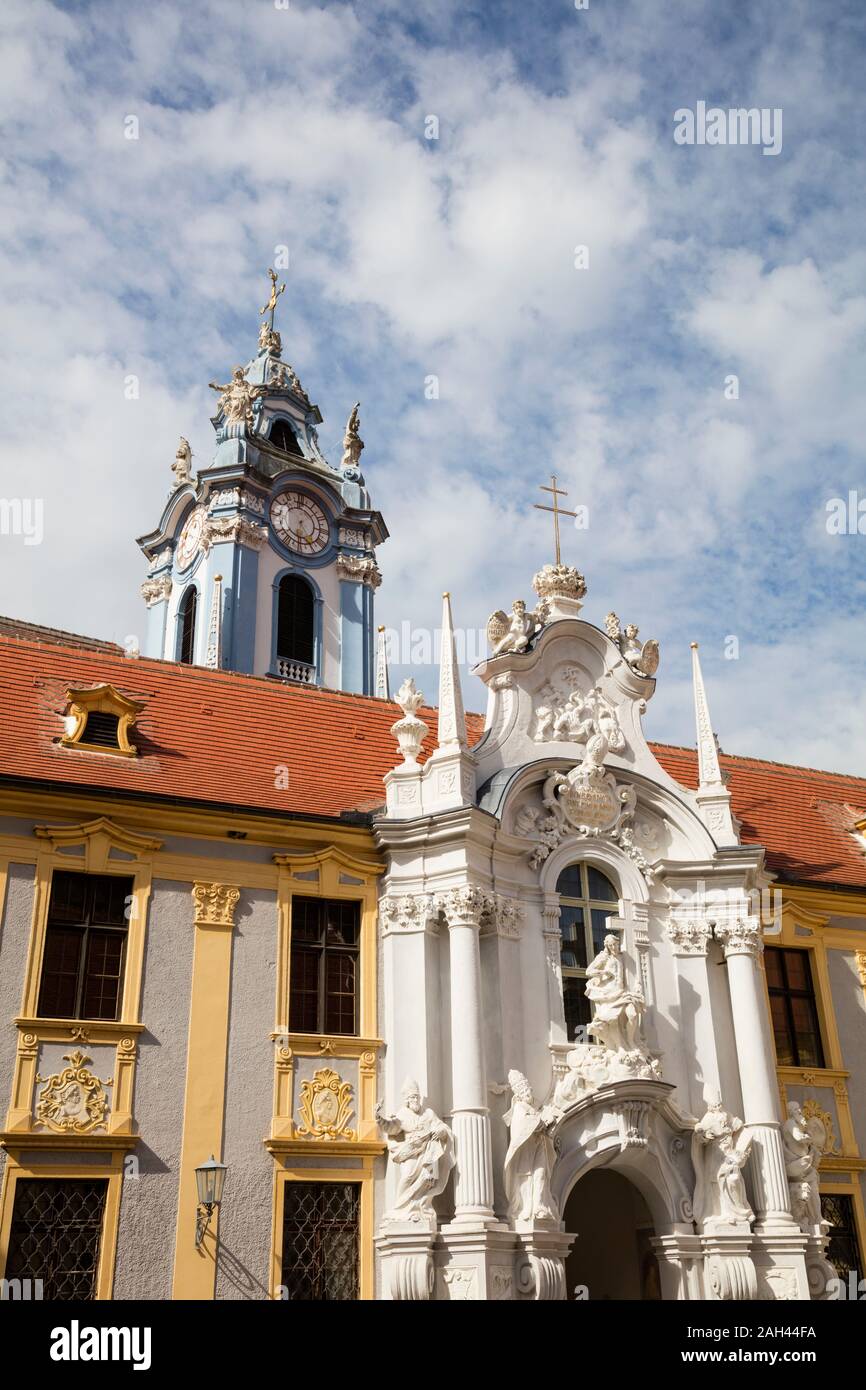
563 711
73 1100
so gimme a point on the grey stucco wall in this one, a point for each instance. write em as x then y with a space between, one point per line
145 1245
14 940
849 1005
245 1219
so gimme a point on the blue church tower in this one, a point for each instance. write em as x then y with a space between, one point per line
266 561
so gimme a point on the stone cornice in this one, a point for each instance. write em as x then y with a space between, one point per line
359 569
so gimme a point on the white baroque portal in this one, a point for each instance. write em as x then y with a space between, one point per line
572 972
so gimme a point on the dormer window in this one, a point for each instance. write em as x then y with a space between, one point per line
100 720
282 436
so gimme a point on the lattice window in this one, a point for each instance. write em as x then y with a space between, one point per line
843 1250
56 1229
320 1241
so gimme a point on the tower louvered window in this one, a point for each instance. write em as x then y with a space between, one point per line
282 436
295 620
188 606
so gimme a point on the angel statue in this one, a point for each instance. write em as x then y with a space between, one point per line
182 466
236 398
805 1139
270 340
514 634
642 658
352 441
421 1146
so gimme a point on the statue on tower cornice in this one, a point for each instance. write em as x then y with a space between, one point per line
182 466
270 341
352 441
237 397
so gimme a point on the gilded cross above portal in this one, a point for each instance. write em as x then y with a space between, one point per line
555 509
274 296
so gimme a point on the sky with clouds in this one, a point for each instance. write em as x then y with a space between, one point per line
261 125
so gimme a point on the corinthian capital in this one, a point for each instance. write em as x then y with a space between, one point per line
407 912
688 936
466 906
740 936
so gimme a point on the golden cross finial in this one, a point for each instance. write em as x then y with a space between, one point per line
275 294
556 509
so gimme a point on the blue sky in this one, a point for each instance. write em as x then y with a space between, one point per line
410 257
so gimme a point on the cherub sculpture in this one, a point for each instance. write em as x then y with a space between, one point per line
514 634
270 340
236 398
642 658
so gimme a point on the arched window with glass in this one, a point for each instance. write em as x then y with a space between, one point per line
587 898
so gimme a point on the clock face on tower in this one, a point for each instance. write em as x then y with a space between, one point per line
300 523
189 538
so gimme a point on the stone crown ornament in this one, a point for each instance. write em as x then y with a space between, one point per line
559 581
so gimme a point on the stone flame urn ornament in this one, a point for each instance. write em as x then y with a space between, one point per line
410 731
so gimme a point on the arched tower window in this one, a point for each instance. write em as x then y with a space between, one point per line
282 436
587 899
296 621
186 642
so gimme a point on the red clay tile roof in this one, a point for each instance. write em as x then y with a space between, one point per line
802 816
222 738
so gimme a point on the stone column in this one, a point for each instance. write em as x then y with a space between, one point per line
743 944
553 965
463 909
688 937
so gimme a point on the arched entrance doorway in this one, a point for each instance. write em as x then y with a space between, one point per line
612 1257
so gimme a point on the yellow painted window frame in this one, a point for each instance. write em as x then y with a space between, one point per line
53 1167
98 838
362 1175
332 866
101 699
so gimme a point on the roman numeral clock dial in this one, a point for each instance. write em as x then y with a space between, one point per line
300 523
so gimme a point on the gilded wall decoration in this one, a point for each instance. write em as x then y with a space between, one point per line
73 1101
326 1106
215 904
812 1110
